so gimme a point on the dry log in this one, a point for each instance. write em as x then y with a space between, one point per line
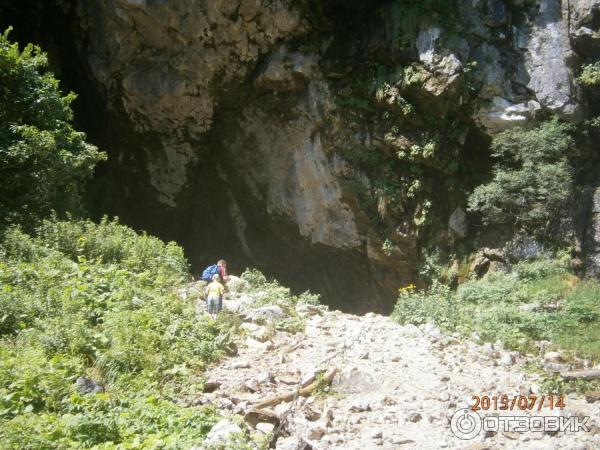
303 392
581 375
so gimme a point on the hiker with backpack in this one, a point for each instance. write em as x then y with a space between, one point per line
220 268
214 296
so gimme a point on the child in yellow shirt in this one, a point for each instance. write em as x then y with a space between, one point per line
214 296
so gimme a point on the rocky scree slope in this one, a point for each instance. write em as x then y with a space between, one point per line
394 386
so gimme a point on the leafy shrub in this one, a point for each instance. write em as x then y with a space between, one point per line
536 300
434 304
541 268
590 75
272 293
30 382
532 181
44 162
495 288
97 300
266 292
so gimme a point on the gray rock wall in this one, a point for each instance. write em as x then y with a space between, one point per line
242 95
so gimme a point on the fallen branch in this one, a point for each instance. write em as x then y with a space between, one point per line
581 375
303 392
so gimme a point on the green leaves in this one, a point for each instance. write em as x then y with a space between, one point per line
535 300
590 75
98 300
532 180
44 162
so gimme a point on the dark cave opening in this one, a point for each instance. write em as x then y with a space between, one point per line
201 223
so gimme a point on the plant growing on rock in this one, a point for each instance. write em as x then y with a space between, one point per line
532 179
590 75
408 14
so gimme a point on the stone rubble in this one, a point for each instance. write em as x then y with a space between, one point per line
396 387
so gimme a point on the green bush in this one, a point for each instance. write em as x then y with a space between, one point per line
590 75
272 293
81 299
44 162
535 300
266 292
435 304
532 181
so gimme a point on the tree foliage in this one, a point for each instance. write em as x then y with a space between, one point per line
532 181
590 75
43 160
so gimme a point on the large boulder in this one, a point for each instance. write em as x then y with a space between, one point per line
222 432
269 313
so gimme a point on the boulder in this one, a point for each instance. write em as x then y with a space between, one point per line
355 380
257 346
292 443
306 309
265 427
507 359
269 313
360 405
262 334
86 386
458 222
237 285
222 432
553 357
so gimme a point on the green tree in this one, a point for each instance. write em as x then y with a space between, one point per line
44 162
532 181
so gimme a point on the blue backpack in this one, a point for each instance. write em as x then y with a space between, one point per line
209 272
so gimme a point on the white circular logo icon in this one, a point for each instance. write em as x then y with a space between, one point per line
465 424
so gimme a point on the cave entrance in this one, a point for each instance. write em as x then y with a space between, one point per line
203 220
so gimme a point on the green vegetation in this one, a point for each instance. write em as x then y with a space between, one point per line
532 181
99 300
414 151
266 292
534 300
97 350
590 75
407 171
44 162
555 384
80 299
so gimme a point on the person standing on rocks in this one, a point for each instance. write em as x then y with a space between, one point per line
214 296
222 270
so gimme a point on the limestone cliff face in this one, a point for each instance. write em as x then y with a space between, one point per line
251 102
